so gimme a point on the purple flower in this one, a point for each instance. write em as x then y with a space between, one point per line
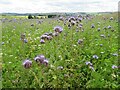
109 27
58 29
73 22
80 19
45 62
88 63
42 41
95 57
80 26
61 18
40 58
25 40
27 64
114 66
43 37
80 41
49 37
71 18
91 67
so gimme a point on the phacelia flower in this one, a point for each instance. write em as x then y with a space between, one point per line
73 22
39 58
49 37
109 27
45 62
91 67
114 66
43 37
88 63
80 41
25 40
42 41
58 29
95 57
27 64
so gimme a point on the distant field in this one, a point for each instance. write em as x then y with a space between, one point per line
84 54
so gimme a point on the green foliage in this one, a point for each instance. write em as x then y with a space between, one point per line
51 16
62 50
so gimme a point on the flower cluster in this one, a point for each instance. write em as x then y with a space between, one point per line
90 65
40 59
49 36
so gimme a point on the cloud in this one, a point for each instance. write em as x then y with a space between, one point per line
24 6
4 2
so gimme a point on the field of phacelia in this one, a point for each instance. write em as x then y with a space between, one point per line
67 51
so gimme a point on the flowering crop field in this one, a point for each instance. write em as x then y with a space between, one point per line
75 51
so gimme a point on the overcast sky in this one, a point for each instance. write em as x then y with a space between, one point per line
44 6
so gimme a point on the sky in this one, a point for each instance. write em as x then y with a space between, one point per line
46 6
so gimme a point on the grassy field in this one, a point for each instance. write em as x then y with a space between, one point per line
78 57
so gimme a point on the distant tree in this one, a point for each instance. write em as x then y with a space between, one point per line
30 16
51 16
35 17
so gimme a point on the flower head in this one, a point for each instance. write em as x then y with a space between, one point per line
114 66
88 63
45 62
27 64
25 40
42 41
95 57
80 41
109 27
58 29
39 58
